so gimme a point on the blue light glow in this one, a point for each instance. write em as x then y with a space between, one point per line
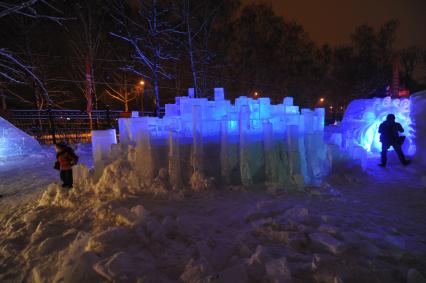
256 128
364 116
14 142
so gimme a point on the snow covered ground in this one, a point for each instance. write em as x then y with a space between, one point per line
24 178
358 227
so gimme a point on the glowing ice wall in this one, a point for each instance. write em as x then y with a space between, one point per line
418 114
14 142
246 142
363 117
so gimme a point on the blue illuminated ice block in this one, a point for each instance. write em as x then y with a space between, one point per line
247 142
14 142
219 94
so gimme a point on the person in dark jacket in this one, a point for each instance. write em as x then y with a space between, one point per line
65 159
389 136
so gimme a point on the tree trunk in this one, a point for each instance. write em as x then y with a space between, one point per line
3 100
126 104
89 95
157 96
205 87
191 53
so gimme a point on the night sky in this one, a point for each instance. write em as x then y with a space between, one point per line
332 21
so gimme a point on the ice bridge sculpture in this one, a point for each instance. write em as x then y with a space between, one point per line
248 142
362 119
14 142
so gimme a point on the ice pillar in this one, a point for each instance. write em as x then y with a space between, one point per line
101 146
270 162
124 130
294 155
174 160
197 141
224 155
320 118
288 101
315 150
219 94
145 161
246 174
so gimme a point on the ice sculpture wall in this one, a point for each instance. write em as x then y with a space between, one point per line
418 113
14 142
362 119
248 142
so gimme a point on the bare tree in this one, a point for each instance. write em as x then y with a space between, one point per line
122 89
150 33
11 68
190 35
410 58
35 48
29 8
197 20
86 43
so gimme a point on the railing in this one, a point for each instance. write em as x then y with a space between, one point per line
72 126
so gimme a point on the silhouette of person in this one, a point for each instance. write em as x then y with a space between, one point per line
389 136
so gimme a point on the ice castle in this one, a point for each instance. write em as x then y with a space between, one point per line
248 142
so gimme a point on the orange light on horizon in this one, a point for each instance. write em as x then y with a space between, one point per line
256 94
141 82
322 99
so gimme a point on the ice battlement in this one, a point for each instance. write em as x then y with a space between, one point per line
209 118
250 141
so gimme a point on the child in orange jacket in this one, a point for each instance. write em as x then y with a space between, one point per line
65 159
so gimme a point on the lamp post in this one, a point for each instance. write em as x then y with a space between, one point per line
141 88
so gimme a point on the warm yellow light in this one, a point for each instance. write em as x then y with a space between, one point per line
255 93
331 107
322 99
142 82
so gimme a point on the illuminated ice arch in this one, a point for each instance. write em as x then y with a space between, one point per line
363 117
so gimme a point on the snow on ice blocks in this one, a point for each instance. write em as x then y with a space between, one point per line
248 142
14 142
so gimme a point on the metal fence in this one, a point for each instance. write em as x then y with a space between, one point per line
72 126
49 126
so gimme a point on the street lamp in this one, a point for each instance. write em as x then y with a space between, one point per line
140 87
322 99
